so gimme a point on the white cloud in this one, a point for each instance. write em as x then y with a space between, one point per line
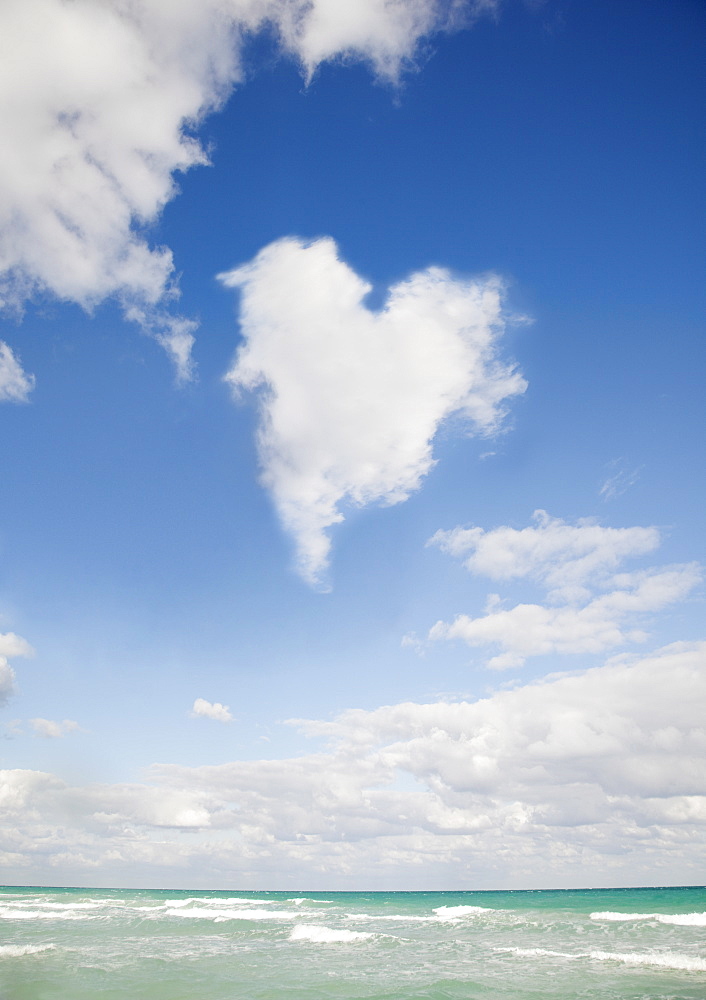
15 384
11 645
563 556
53 730
533 629
351 399
598 774
209 710
574 563
620 481
99 100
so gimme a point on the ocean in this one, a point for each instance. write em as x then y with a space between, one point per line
631 944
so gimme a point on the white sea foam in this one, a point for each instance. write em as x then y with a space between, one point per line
663 960
18 950
399 917
6 913
63 906
458 912
218 916
327 935
679 919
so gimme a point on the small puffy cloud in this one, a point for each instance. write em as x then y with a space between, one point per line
352 398
211 710
597 774
15 384
99 100
560 555
53 730
11 645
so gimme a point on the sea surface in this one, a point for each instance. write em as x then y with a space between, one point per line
632 944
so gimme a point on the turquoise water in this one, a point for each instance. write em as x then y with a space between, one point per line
71 944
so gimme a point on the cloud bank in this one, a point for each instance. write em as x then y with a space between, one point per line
351 398
596 775
574 563
99 102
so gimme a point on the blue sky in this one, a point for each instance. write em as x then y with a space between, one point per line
453 279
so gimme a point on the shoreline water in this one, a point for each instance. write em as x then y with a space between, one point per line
73 943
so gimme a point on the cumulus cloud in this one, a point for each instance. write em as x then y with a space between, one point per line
574 563
352 398
50 730
533 629
211 710
598 774
99 100
15 384
11 645
562 556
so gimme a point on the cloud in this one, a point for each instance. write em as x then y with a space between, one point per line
11 645
597 774
534 630
15 384
621 480
99 102
560 555
351 399
574 563
53 730
208 710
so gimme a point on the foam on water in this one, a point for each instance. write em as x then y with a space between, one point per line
452 913
328 935
663 960
20 950
15 914
218 916
678 919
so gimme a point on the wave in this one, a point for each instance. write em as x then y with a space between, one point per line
298 900
218 916
327 935
456 912
680 919
18 950
399 917
663 960
60 906
7 914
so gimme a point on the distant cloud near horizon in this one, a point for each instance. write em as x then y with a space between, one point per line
351 399
98 106
542 781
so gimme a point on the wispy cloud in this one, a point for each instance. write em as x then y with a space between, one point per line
51 730
15 384
352 399
620 480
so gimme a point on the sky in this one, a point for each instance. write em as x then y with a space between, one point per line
352 420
